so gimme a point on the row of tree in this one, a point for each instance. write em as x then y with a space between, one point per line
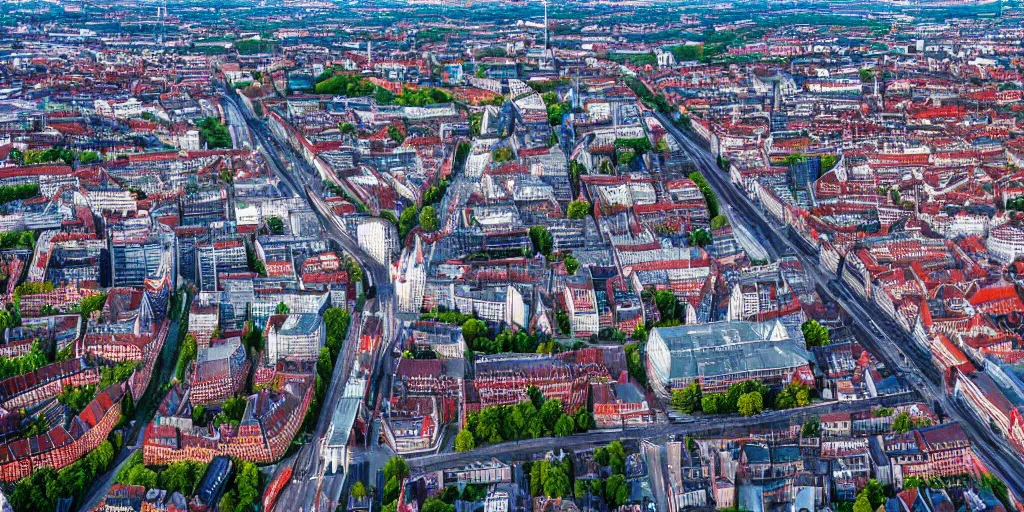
747 398
529 419
10 193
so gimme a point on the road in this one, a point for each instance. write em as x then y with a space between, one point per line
891 345
310 488
701 425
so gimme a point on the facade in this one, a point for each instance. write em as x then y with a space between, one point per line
295 336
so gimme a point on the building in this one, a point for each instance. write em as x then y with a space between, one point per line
720 354
378 238
295 336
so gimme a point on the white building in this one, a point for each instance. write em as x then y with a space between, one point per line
119 109
1005 243
189 141
410 278
378 238
299 336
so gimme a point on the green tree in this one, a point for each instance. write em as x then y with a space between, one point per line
188 354
578 209
902 423
428 220
228 503
436 505
719 222
750 404
407 220
141 475
473 329
700 237
543 241
396 467
616 491
464 441
395 133
556 482
640 332
282 309
247 483
668 305
812 427
550 412
565 426
584 420
862 504
275 224
688 399
815 334
572 265
358 490
875 493
713 403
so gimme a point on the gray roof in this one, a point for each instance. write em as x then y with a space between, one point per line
725 348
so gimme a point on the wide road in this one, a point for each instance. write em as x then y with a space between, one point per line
890 345
701 425
308 482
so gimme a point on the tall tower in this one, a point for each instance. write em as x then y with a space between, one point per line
545 25
369 53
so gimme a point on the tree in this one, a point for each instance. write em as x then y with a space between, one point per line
550 412
616 491
688 399
616 457
565 426
815 334
141 475
542 240
571 264
407 220
436 505
713 403
428 220
750 404
700 237
391 490
578 210
346 128
812 427
536 397
556 482
473 329
214 134
228 503
464 441
866 75
188 354
275 224
719 222
396 467
902 423
640 332
247 481
282 309
862 504
875 493
668 305
584 420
